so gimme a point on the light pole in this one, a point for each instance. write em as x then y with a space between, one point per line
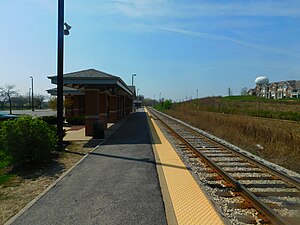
60 66
197 93
133 75
29 98
137 95
160 96
32 99
60 52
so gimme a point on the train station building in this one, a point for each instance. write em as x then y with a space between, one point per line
96 95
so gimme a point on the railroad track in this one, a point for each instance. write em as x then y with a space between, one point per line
261 192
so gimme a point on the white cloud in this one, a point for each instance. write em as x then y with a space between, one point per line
191 9
228 39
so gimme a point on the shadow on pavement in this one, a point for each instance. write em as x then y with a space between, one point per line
144 160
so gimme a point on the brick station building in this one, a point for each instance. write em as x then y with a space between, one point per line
96 95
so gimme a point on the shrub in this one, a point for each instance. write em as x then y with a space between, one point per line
49 119
27 140
167 104
76 120
164 105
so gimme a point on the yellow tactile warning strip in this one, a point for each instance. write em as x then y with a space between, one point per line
190 204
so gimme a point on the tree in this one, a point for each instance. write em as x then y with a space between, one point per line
19 101
140 97
39 99
149 102
3 99
68 103
8 92
53 103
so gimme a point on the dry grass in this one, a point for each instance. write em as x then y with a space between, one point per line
26 185
280 139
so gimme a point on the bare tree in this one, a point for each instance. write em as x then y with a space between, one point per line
18 101
39 99
8 92
2 99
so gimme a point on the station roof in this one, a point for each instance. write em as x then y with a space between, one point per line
94 79
66 91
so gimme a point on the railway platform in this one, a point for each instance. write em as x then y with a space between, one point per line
134 177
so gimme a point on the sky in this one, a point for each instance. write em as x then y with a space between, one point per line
175 47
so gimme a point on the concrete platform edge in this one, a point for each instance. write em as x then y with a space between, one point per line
22 211
169 209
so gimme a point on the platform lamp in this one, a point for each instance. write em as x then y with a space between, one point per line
60 65
32 99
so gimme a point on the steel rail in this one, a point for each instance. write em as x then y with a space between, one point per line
294 181
264 167
264 209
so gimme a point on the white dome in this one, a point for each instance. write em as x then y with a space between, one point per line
261 80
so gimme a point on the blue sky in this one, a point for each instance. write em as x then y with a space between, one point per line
174 47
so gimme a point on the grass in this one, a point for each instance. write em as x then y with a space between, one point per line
280 139
5 162
284 109
5 178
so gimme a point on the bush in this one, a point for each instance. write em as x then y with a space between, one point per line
76 120
167 104
27 140
49 119
164 105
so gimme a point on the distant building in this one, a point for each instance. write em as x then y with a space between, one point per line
277 90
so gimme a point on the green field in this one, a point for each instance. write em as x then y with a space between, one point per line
284 109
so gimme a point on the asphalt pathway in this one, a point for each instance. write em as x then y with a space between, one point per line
116 184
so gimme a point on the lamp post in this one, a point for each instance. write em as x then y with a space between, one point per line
32 99
60 52
159 96
29 98
60 66
197 93
133 75
137 95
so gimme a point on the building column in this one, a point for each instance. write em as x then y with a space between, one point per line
95 109
123 106
113 109
91 110
103 108
76 105
127 105
118 107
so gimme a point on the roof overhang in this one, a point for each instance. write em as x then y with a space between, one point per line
112 84
66 91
